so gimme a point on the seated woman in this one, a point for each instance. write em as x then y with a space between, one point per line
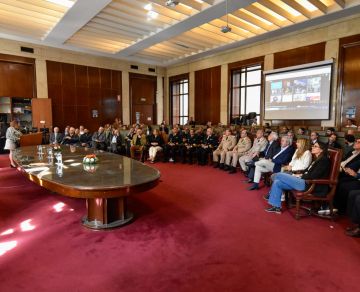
301 158
318 169
155 144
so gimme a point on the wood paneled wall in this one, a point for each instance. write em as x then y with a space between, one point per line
294 57
77 90
17 76
349 81
143 97
207 95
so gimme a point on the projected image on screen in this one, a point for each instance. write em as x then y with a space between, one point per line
301 93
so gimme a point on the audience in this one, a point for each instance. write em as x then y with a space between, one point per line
227 143
207 146
241 148
259 145
187 143
56 137
171 149
155 145
282 156
138 144
318 169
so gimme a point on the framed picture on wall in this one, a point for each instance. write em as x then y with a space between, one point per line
94 113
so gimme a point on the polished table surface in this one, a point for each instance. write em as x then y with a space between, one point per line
105 185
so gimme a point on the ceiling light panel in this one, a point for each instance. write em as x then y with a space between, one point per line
122 17
34 19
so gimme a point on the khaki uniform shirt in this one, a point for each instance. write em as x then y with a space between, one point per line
227 143
243 145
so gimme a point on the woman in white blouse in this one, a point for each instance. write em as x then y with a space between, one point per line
301 158
12 136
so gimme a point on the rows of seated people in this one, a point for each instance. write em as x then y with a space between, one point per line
291 158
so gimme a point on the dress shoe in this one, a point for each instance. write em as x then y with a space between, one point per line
226 168
353 233
232 170
266 197
276 210
253 187
351 228
221 166
216 165
12 166
249 181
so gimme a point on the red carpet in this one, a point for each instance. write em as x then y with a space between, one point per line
198 230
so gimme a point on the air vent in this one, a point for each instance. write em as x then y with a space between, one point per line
183 46
27 50
135 67
151 69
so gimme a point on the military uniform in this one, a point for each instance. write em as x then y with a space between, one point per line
240 149
258 146
209 143
227 144
172 147
189 148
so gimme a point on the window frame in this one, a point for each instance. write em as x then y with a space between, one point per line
179 81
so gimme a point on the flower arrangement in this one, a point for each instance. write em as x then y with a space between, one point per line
90 159
90 167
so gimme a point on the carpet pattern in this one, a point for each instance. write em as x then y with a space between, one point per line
198 230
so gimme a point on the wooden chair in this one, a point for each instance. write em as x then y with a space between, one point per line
306 196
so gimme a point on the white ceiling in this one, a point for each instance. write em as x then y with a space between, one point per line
148 31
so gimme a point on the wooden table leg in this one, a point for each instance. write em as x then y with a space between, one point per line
106 213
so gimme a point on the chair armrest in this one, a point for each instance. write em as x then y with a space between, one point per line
321 182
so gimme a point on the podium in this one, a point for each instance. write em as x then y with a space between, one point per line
31 139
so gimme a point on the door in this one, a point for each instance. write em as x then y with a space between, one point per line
143 98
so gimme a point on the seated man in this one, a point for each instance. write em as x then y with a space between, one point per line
271 149
227 143
332 143
273 164
240 149
190 146
56 137
208 144
353 210
259 145
349 145
138 144
173 145
71 138
98 139
116 142
348 178
85 138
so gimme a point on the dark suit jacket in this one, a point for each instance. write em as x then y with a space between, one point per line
283 158
318 169
271 150
59 138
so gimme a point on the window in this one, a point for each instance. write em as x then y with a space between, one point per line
245 91
179 97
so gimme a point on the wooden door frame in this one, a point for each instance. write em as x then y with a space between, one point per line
147 77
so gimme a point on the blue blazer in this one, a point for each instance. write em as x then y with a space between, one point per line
283 158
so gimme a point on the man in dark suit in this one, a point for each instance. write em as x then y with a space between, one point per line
98 139
115 142
190 146
71 138
56 137
332 143
85 138
348 178
272 148
283 156
353 210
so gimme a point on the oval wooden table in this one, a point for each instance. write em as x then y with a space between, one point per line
106 185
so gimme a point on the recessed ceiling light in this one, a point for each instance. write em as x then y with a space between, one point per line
152 15
148 7
66 3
